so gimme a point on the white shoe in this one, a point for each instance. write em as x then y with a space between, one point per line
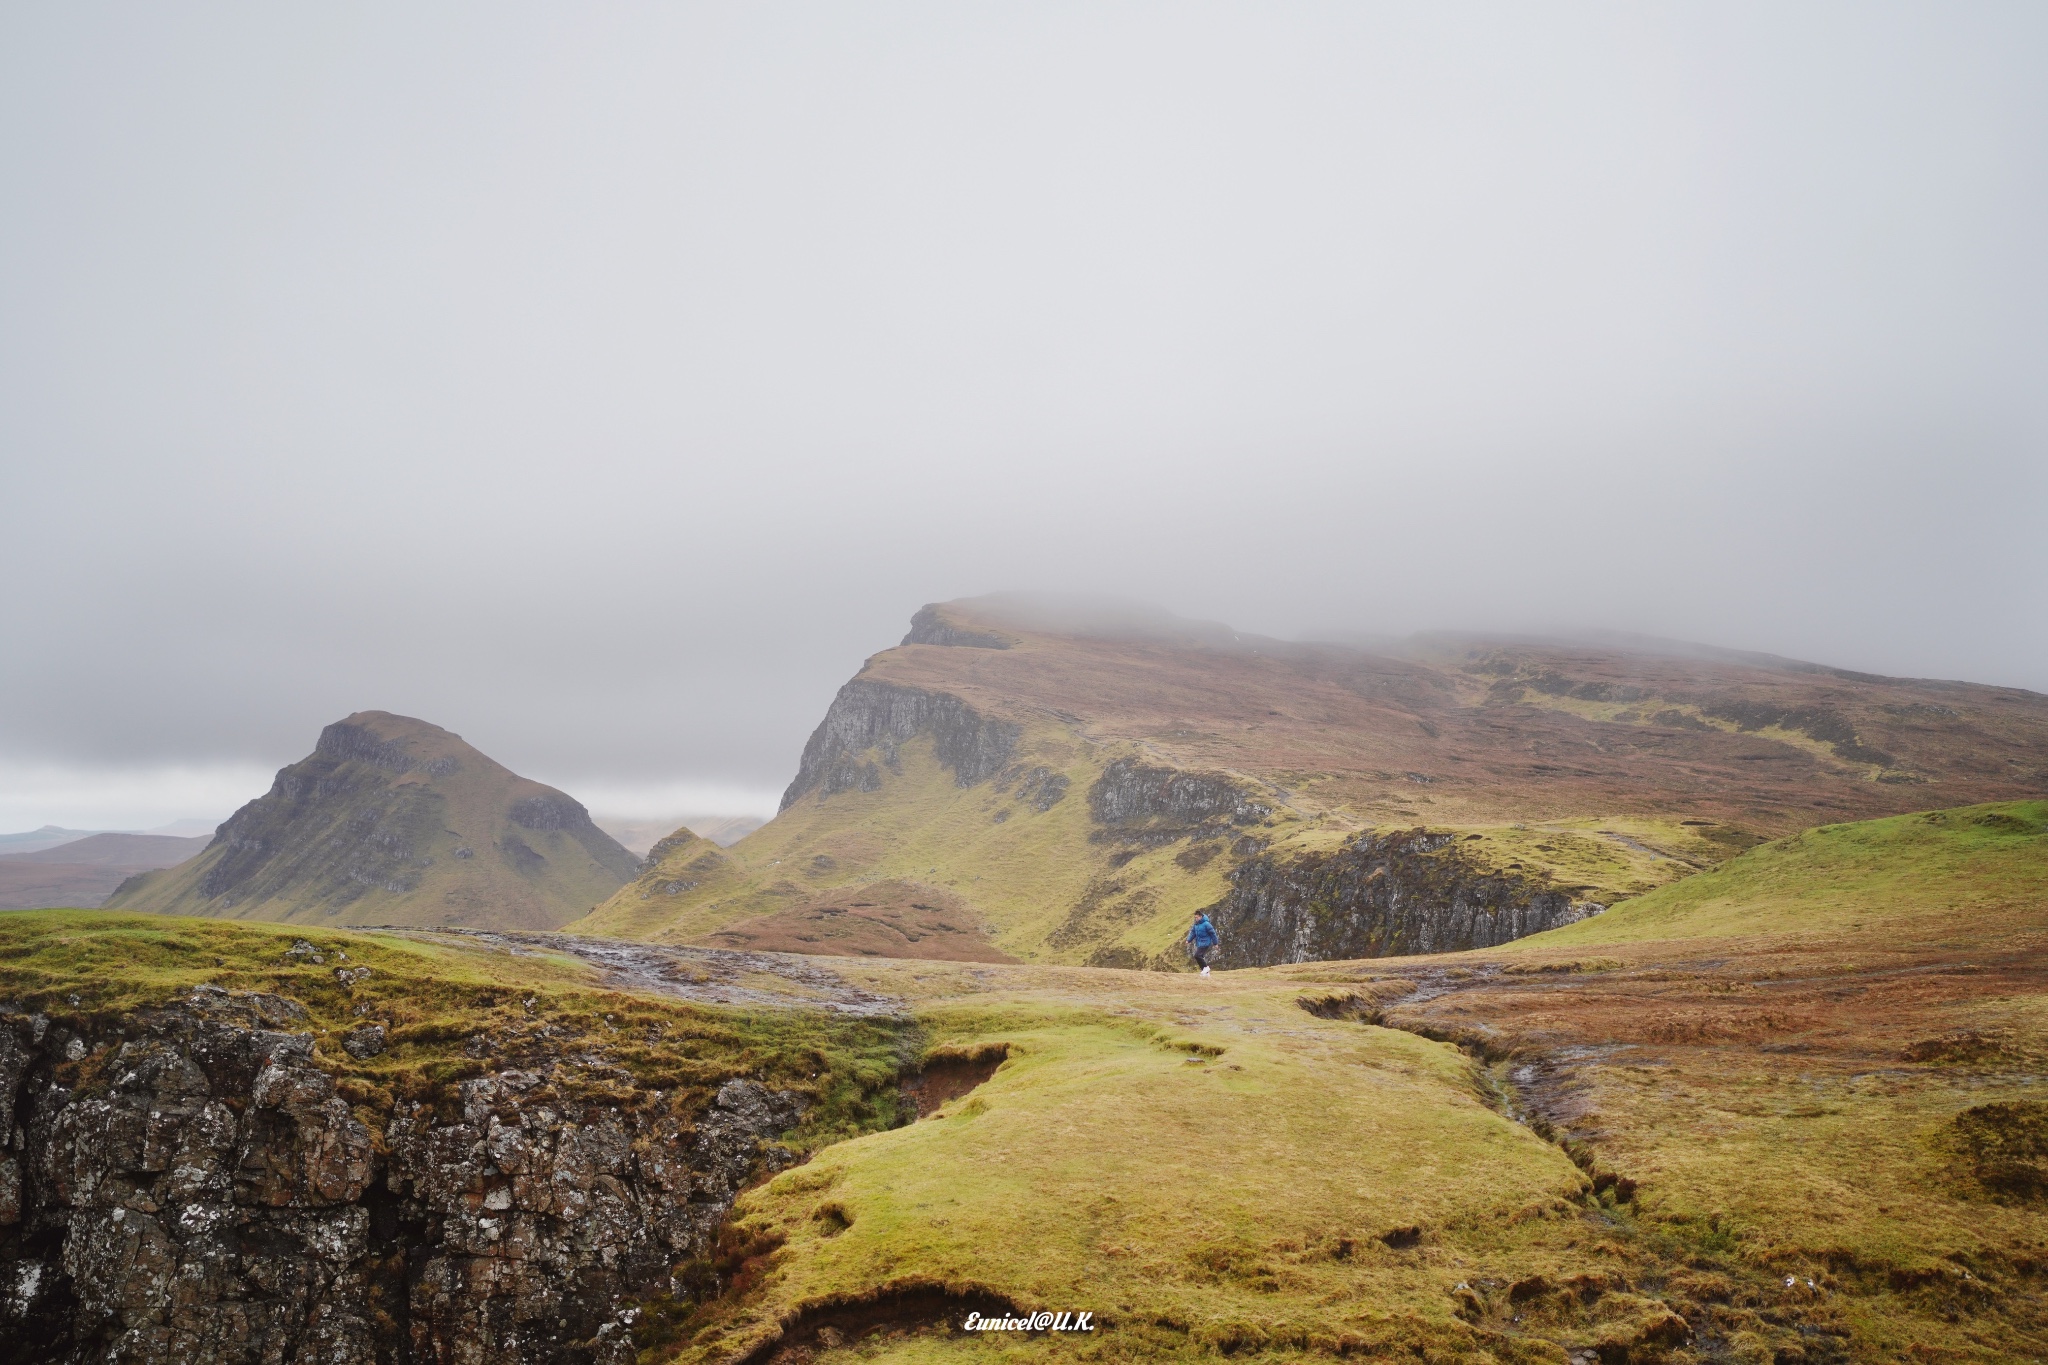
1205 971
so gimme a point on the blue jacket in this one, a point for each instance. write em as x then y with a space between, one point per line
1203 935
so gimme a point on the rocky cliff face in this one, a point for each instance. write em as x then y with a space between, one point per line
1388 895
184 1184
1136 802
878 716
931 627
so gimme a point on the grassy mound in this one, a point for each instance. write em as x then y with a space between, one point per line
1972 868
1224 1173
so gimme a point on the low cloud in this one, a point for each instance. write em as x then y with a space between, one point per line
736 335
202 795
36 794
607 798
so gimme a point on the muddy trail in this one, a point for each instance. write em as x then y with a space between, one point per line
710 976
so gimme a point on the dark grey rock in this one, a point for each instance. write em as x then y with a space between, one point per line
1412 891
928 627
1040 786
363 1041
207 1198
550 810
877 715
1135 796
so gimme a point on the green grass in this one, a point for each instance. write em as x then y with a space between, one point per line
1969 863
1214 1171
1226 1186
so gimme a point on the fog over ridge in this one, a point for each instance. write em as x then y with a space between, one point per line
606 386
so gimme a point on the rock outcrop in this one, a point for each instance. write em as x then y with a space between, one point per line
1389 895
393 820
185 1185
879 716
930 627
1138 802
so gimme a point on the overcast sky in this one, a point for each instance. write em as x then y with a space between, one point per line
604 382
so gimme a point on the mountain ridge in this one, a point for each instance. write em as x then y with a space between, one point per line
1568 776
394 820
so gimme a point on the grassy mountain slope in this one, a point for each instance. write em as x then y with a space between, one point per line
1029 878
394 821
1974 868
1081 786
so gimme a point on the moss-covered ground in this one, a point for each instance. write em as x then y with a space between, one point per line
1205 1166
453 1009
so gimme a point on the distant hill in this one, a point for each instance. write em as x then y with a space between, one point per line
1082 780
84 872
36 840
392 820
138 852
640 835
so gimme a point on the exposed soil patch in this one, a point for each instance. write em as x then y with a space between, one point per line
948 1074
1346 1005
2007 1146
898 1311
880 919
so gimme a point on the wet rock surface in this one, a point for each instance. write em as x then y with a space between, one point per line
709 976
1412 891
184 1184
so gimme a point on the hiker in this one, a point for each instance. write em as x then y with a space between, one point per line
1202 941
